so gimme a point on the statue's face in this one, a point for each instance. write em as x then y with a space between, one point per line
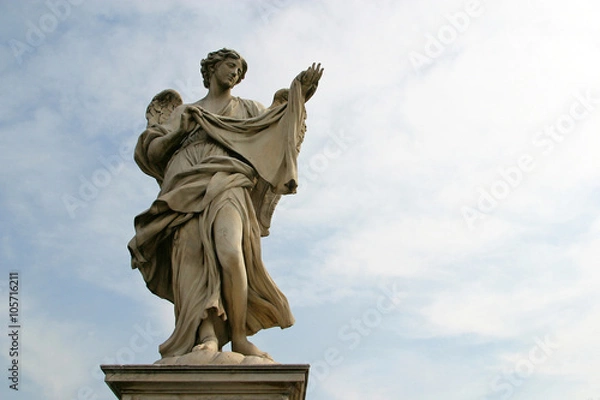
228 72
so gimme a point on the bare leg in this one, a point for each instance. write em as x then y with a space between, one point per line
228 242
207 338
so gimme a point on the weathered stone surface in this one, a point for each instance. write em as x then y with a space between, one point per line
214 382
206 357
221 163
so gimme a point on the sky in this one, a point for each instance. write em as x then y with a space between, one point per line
445 236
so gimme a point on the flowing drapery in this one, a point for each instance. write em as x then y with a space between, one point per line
245 157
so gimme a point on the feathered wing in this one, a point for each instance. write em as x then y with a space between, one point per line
157 113
280 97
161 107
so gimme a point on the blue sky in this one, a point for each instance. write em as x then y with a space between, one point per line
444 240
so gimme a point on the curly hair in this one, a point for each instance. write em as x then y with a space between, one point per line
208 64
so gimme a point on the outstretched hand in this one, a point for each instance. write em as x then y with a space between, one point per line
309 80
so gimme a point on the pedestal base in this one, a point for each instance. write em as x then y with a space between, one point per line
207 382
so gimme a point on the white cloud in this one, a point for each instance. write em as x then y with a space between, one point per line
415 147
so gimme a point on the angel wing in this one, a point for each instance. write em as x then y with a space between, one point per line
161 106
280 97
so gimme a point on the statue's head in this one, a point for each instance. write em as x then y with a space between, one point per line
208 65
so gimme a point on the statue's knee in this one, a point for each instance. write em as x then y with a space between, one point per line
230 255
228 239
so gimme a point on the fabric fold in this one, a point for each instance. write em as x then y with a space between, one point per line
247 159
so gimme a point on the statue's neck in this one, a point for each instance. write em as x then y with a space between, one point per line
215 102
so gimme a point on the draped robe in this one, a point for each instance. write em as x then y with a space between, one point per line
243 156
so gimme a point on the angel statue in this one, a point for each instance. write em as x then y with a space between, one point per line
222 163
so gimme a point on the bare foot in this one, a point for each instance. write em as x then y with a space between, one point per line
208 344
247 348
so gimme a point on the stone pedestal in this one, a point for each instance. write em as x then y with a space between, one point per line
207 382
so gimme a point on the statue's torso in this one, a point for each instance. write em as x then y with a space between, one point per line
197 146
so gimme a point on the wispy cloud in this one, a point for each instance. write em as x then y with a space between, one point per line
392 155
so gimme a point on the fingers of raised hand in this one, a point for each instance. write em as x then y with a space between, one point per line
316 72
311 75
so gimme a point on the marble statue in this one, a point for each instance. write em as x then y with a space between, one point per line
222 163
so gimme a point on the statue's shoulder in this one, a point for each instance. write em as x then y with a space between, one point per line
161 107
253 107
